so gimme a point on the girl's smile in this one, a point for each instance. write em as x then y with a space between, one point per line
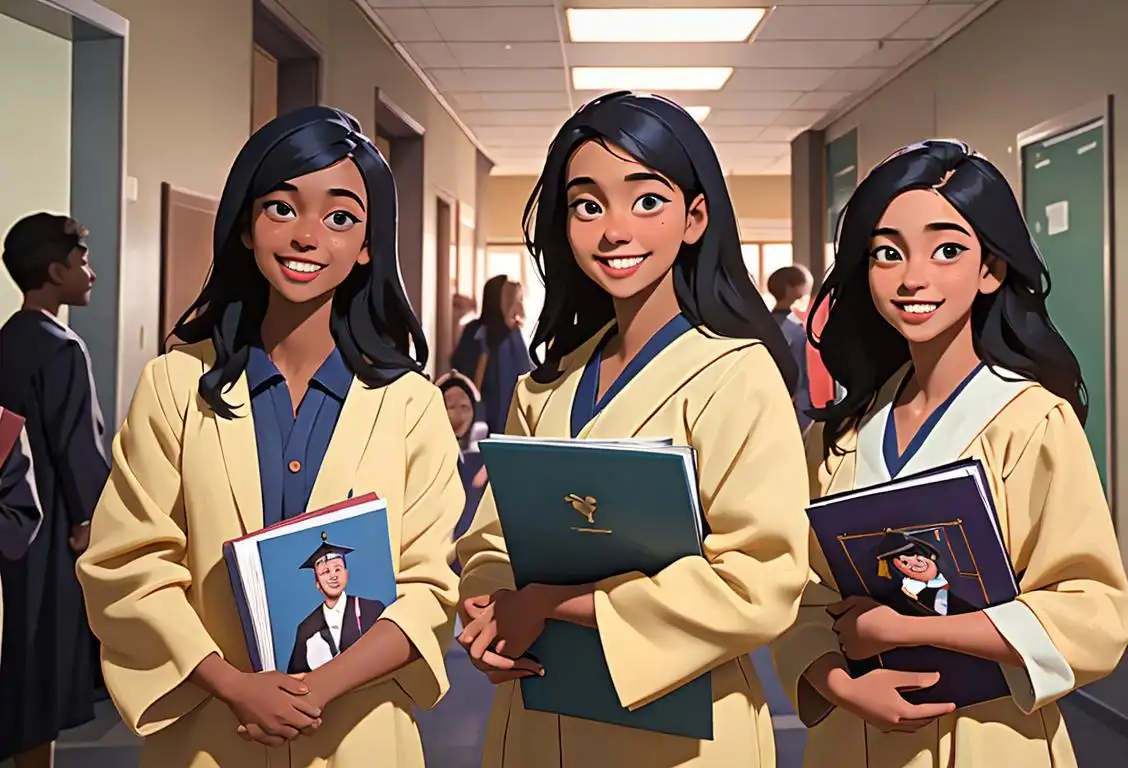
916 312
299 270
621 266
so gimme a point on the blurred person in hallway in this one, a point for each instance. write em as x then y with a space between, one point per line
48 655
492 351
461 399
790 287
296 385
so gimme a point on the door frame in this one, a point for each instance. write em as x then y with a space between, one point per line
99 185
444 292
1084 118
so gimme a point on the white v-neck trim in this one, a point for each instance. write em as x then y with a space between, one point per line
979 402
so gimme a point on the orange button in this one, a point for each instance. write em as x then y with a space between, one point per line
295 466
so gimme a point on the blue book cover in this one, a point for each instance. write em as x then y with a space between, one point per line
575 512
307 588
925 544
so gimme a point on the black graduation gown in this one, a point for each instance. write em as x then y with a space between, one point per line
19 509
314 624
49 655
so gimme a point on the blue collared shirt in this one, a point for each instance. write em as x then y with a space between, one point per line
290 450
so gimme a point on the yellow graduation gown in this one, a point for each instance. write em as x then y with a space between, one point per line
1070 623
726 398
159 597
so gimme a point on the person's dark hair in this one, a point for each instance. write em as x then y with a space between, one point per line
37 241
784 279
457 380
710 278
1011 327
372 321
493 311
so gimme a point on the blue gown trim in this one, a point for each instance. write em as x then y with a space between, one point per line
894 463
585 406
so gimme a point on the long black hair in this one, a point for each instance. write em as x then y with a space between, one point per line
493 310
372 321
1011 328
710 278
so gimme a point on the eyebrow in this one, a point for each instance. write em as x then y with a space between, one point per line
936 226
647 176
339 192
580 181
286 186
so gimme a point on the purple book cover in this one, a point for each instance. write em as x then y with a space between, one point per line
926 544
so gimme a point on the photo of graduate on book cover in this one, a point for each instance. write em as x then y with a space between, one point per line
912 564
325 588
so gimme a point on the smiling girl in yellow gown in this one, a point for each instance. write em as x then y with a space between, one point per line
938 332
298 388
652 328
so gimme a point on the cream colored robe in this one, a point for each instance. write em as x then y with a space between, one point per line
726 398
1070 623
159 597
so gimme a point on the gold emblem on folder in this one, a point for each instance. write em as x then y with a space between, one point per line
586 506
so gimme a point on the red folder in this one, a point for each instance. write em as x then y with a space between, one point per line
11 426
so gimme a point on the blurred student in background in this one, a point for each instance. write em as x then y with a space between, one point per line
461 398
791 288
492 351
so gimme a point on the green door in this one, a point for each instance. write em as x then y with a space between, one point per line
1063 183
841 179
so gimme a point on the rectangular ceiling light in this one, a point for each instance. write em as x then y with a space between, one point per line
650 78
662 25
698 113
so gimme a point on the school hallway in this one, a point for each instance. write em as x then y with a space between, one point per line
452 734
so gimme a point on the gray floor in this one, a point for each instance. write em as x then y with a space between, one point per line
452 733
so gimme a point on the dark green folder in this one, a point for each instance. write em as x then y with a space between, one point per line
575 512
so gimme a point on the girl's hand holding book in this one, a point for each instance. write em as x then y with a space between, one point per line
876 698
506 622
866 628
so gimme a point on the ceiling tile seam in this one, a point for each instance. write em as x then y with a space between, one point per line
558 13
427 12
893 34
382 30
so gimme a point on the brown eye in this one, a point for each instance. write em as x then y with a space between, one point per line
886 253
341 221
586 210
278 210
949 252
650 203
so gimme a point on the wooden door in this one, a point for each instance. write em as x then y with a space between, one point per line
187 222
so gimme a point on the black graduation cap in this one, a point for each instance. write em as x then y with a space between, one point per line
895 543
325 551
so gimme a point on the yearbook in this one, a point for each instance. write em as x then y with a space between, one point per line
930 545
578 511
307 588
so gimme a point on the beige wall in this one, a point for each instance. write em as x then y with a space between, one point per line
1020 64
189 112
35 98
754 197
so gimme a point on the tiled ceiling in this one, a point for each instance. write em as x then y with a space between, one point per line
503 66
